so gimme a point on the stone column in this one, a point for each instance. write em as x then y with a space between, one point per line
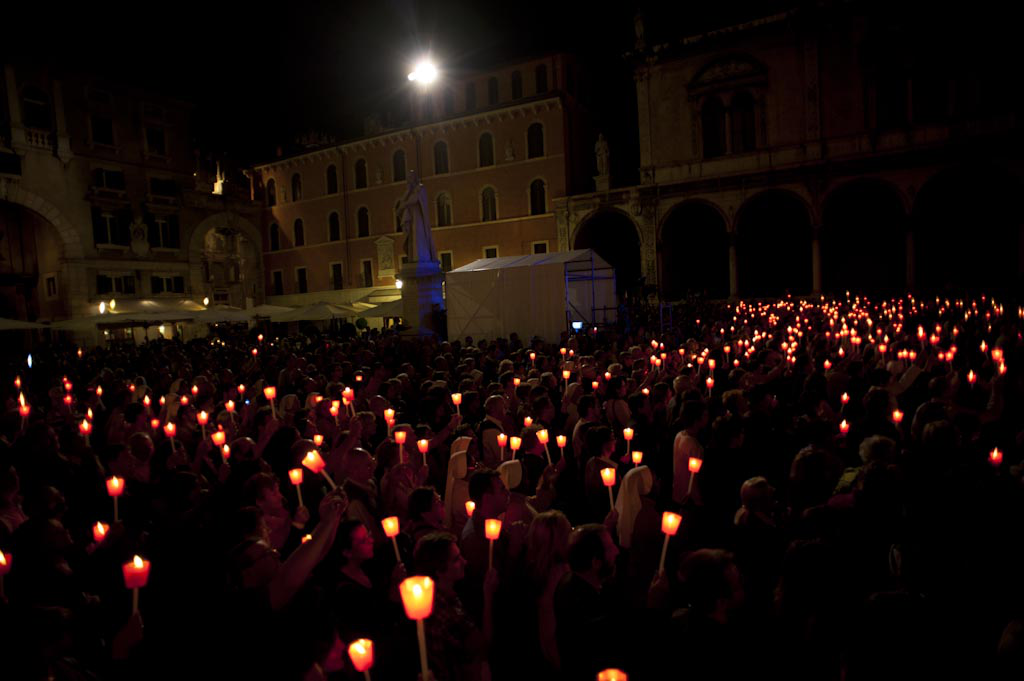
734 275
816 259
63 141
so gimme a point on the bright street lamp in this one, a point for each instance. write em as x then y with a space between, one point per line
424 72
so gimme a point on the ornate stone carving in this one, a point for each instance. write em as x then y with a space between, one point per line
140 237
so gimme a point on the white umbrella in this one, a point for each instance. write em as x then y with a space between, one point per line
19 325
267 310
224 313
315 313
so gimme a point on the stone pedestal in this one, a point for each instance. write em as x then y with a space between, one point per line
421 295
601 183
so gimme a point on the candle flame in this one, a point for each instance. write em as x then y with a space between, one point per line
137 562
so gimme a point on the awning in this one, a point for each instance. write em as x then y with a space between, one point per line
392 309
19 325
315 313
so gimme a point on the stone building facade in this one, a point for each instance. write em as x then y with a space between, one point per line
102 197
818 149
494 150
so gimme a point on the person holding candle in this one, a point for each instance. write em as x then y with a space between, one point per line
285 529
495 408
601 448
692 421
456 647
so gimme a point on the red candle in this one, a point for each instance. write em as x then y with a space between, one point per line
844 427
971 377
360 652
561 441
533 357
844 398
492 530
390 525
418 600
170 429
897 416
229 406
527 422
516 381
146 401
318 439
154 424
514 444
99 531
219 437
241 388
184 400
136 574
195 389
502 441
314 462
400 436
470 507
607 375
608 478
595 385
5 567
225 452
638 456
456 400
627 434
995 457
693 465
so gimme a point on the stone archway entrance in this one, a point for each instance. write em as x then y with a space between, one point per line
773 232
225 261
613 236
693 255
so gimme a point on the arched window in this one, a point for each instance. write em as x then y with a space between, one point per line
398 218
35 109
712 124
440 158
535 141
361 174
517 85
444 210
448 101
300 233
398 166
470 96
488 204
334 227
363 221
486 145
541 78
492 91
742 123
538 198
296 187
271 192
332 179
275 237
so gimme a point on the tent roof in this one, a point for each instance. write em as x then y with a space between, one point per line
582 256
390 309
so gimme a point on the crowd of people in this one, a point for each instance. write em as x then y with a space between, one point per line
824 535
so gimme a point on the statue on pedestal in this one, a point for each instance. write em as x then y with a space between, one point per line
413 213
601 155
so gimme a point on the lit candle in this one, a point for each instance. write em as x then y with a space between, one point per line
612 675
527 422
827 364
99 531
710 383
5 567
637 456
514 443
169 430
595 385
971 377
154 424
17 381
184 400
492 530
389 416
163 400
400 436
669 526
295 475
424 447
335 410
693 465
565 375
995 457
844 398
115 488
608 478
470 507
146 401
255 352
543 437
85 427
314 462
607 375
360 652
229 406
318 439
502 441
306 538
418 600
533 358
259 338
516 381
561 441
897 416
627 435
195 389
711 365
391 530
219 437
457 400
241 389
844 427
136 574
24 408
225 452
88 413
203 418
270 392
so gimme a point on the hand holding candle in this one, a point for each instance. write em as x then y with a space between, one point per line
115 488
470 507
314 462
492 530
360 652
295 475
457 400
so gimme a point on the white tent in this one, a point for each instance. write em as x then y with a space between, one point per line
532 295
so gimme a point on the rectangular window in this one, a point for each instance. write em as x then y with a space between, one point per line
446 261
490 251
337 282
221 296
111 228
103 178
278 282
51 287
156 142
115 283
166 283
102 130
300 280
540 247
162 187
164 231
367 273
